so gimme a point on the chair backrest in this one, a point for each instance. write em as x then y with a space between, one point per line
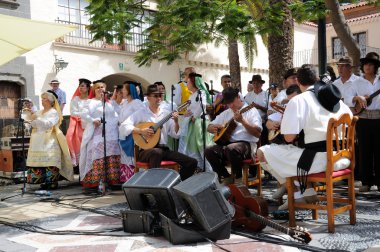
341 137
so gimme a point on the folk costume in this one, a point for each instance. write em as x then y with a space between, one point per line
191 140
91 164
48 154
127 164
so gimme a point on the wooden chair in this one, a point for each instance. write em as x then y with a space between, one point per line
341 133
144 165
257 181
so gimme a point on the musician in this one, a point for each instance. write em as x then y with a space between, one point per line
48 154
290 78
181 91
78 108
260 98
243 141
166 103
346 77
191 140
367 128
218 106
273 97
153 113
274 120
311 113
92 166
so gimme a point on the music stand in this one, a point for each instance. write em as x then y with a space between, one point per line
20 124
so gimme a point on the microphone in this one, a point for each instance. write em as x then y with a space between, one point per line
199 95
108 93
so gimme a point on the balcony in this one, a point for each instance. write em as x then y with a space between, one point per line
82 37
311 56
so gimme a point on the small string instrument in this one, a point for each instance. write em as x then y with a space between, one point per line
223 135
151 141
215 109
251 212
357 110
272 134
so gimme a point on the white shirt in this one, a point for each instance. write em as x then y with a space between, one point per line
260 99
128 108
343 87
362 87
304 112
240 133
79 107
146 115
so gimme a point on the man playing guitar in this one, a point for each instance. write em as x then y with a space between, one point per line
153 113
243 140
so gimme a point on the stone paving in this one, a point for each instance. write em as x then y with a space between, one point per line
53 223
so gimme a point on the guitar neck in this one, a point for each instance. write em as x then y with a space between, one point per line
267 222
373 95
167 117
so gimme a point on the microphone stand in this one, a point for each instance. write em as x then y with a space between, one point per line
172 97
212 90
21 122
103 121
203 116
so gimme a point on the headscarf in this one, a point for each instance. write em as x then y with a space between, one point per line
133 92
53 98
200 84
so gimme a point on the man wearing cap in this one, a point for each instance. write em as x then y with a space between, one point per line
346 77
367 128
54 84
290 78
153 113
243 141
309 111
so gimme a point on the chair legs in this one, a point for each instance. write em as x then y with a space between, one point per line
257 181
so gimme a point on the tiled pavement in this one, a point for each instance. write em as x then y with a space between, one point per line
74 212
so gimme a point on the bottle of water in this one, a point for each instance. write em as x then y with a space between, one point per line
42 193
101 188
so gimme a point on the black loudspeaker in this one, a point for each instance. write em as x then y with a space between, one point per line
151 190
207 200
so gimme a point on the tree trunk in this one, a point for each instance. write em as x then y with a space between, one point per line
233 59
344 32
281 47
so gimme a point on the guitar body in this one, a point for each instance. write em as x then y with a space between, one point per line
146 142
222 137
241 196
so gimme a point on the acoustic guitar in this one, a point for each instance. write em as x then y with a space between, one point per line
357 110
149 142
223 135
251 213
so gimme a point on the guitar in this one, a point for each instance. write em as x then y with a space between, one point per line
357 110
222 136
149 142
251 212
272 134
214 110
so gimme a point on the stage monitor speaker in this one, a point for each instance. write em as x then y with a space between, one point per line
207 200
151 190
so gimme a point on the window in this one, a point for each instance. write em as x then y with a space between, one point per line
338 49
73 12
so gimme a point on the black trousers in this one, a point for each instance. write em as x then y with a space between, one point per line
217 156
154 157
368 137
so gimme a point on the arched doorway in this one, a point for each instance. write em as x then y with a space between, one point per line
119 78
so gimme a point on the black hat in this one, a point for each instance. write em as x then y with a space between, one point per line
85 81
290 72
371 57
328 95
229 94
273 85
153 89
53 93
257 77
